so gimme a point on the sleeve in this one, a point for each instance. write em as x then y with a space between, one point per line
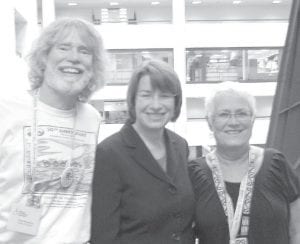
288 180
106 199
199 175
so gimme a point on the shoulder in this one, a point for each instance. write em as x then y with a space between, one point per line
198 164
111 142
15 105
15 100
201 177
88 110
275 159
280 174
174 137
198 168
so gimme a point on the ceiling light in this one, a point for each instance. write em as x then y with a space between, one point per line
155 3
114 3
72 4
237 1
276 1
196 2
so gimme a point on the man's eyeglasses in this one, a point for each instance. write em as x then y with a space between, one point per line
241 116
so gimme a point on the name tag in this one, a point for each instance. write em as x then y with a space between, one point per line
241 240
24 219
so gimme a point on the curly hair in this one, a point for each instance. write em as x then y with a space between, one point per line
37 56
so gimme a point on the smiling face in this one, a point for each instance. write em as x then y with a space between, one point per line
68 68
153 108
232 121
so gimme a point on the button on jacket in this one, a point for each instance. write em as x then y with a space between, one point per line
134 200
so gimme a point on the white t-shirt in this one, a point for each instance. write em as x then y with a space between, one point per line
65 210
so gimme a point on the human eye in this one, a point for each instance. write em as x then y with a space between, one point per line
144 94
223 115
166 95
242 114
84 50
63 47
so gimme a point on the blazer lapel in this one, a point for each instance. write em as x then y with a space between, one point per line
140 153
174 155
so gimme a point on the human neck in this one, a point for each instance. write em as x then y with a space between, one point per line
56 100
232 154
152 136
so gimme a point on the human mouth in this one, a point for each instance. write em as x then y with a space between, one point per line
233 132
71 70
155 115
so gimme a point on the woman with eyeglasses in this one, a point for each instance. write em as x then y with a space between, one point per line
244 194
142 193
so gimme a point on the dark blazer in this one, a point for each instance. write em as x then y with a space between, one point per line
134 200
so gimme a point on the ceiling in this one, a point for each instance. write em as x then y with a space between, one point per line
130 3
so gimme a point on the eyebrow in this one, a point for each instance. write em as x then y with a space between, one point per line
71 44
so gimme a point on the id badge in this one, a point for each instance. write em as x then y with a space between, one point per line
24 219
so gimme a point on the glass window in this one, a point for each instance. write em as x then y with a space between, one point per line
195 152
241 64
201 10
195 107
112 112
123 62
263 64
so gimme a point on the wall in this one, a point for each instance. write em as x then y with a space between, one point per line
18 22
143 14
238 12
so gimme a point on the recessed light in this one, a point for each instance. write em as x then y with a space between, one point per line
237 2
276 1
196 2
113 3
155 3
72 4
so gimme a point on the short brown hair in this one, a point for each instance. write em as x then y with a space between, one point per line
162 77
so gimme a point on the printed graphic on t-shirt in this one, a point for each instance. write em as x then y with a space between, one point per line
63 168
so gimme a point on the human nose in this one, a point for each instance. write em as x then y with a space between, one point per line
156 100
73 55
232 119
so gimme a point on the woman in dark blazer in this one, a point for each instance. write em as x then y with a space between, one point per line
142 193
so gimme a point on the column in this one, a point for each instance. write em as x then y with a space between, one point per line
48 11
178 9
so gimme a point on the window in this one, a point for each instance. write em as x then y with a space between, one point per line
196 107
240 64
112 112
123 62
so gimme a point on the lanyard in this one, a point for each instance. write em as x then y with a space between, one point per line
67 176
245 193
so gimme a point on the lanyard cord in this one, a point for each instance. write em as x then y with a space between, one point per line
245 193
33 151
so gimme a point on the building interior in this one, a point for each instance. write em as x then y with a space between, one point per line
206 41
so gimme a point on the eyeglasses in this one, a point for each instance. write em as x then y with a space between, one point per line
241 116
162 96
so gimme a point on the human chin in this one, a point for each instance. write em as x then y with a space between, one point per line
153 123
162 118
235 139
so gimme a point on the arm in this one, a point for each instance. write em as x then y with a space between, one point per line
106 199
295 222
